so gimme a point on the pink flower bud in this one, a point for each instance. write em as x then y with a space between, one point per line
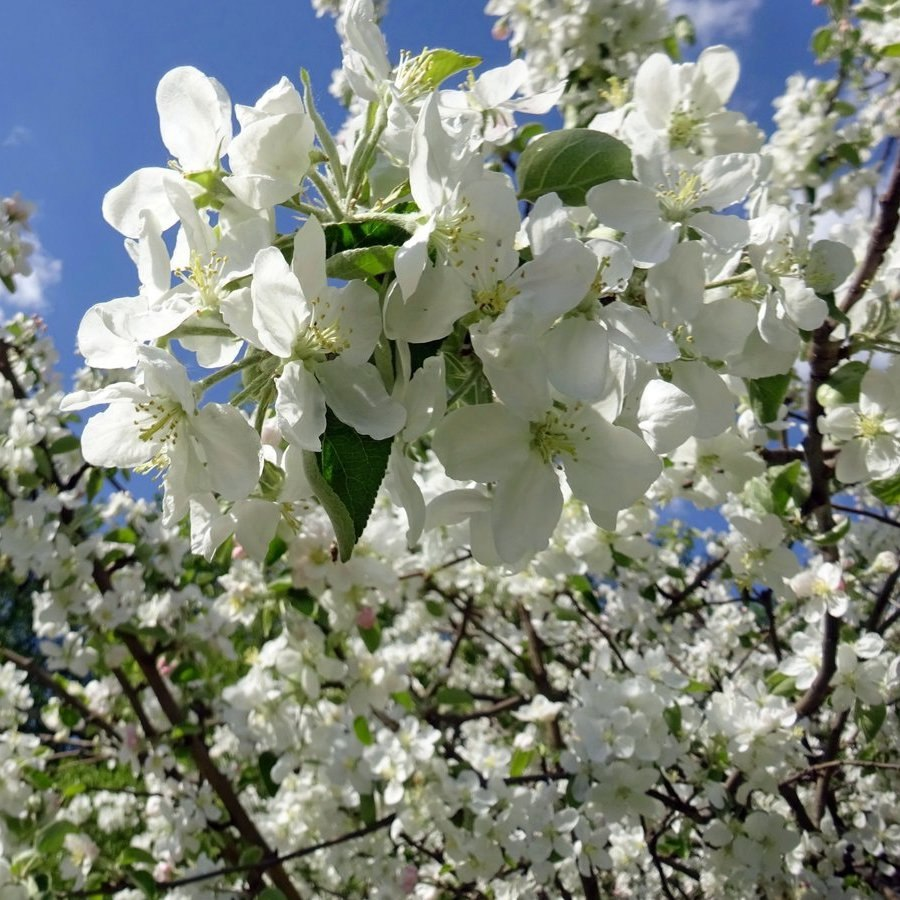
409 878
365 618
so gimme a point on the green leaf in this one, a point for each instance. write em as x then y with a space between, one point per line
466 381
123 535
362 732
367 809
672 715
524 134
346 477
271 893
132 856
437 65
404 699
869 719
766 396
887 490
361 262
38 779
786 487
571 163
891 50
66 444
94 483
371 637
250 855
345 236
186 672
821 40
449 696
50 838
849 153
70 717
277 549
780 685
520 761
843 384
833 535
267 760
144 881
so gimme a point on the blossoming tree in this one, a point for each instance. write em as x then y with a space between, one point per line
420 611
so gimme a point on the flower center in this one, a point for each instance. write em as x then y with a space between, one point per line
676 202
552 437
164 417
319 343
683 128
870 427
492 301
205 277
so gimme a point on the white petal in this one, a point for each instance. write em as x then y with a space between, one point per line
719 68
613 468
194 118
280 313
358 397
633 329
626 205
714 402
231 449
110 438
257 521
527 506
404 491
142 191
308 262
577 358
667 416
300 407
481 442
429 312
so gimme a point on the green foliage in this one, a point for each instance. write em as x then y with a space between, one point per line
346 477
571 163
766 396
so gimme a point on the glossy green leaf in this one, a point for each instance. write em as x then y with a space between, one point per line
361 262
887 490
767 395
362 731
346 477
50 838
571 163
450 696
869 719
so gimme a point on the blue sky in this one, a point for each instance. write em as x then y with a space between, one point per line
77 112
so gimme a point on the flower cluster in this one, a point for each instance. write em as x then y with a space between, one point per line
14 249
427 607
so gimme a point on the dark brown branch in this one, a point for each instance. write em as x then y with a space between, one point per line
699 580
134 699
34 670
797 808
868 513
879 242
272 860
208 770
816 693
539 673
816 768
882 601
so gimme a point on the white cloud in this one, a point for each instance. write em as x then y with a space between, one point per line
17 135
31 289
717 19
